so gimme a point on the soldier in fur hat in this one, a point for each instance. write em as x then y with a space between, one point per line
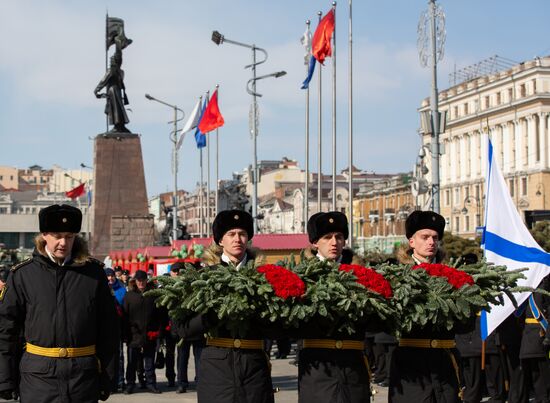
237 374
61 299
332 367
420 373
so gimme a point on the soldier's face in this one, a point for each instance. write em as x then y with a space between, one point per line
330 245
233 243
59 244
425 243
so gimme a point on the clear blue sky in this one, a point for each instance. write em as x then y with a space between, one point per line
52 57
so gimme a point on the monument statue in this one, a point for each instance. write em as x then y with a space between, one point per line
113 81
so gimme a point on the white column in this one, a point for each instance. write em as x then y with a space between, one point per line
463 158
507 139
517 141
543 140
531 152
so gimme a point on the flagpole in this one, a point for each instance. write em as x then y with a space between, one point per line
334 110
207 177
319 136
201 202
350 128
306 187
217 160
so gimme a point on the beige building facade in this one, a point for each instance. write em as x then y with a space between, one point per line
512 108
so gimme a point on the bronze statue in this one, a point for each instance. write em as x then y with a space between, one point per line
113 81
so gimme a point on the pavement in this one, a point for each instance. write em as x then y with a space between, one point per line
284 374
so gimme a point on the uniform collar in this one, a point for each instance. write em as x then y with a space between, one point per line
322 258
419 260
227 260
53 259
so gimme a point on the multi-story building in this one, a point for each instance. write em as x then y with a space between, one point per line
380 212
19 215
512 107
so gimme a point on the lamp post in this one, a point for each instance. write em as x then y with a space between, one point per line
174 139
542 193
465 209
218 39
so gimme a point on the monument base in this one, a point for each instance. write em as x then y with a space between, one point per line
119 186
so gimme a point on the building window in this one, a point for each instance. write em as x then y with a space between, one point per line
522 91
477 192
498 100
455 112
447 197
524 186
467 223
510 94
466 108
457 224
457 196
511 185
3 210
487 102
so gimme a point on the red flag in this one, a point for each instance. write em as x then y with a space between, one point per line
320 46
76 192
211 118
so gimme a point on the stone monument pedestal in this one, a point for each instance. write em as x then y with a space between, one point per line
119 186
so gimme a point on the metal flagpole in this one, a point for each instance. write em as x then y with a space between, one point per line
319 137
350 129
334 110
201 200
207 221
217 161
306 187
106 60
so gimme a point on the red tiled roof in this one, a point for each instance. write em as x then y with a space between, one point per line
280 241
157 251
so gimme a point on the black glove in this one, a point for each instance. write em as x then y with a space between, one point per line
6 394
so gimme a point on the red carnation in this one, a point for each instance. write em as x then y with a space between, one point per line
455 277
284 282
370 279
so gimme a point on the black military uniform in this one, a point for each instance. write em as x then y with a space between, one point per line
423 367
69 321
332 367
535 360
231 370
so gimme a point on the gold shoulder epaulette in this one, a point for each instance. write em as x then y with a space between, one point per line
21 264
94 260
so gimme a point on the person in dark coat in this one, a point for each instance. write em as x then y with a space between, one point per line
534 354
60 298
331 367
184 345
423 367
231 370
143 326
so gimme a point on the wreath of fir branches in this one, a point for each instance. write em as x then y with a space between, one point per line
336 299
438 296
232 299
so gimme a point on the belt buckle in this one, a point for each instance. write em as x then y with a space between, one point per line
339 344
63 352
434 343
237 343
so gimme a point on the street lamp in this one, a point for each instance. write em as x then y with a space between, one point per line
218 39
174 139
465 210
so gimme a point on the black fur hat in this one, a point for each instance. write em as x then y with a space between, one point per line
230 219
60 218
320 224
418 220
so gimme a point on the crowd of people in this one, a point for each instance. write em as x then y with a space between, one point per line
62 303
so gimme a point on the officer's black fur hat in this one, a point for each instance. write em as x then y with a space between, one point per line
418 220
230 219
60 218
320 224
140 275
176 267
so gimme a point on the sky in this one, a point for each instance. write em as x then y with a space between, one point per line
52 56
